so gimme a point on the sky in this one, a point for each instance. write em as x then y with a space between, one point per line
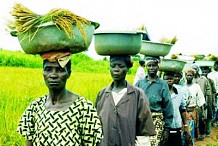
193 22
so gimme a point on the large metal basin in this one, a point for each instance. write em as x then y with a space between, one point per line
50 38
171 65
150 48
117 42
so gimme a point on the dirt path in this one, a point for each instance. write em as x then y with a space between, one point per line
211 141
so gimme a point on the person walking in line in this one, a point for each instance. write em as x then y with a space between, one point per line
140 73
60 117
124 109
160 101
179 115
205 71
195 100
205 88
214 76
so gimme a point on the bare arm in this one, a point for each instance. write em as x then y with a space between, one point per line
184 117
29 143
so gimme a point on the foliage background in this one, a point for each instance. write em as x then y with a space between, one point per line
80 62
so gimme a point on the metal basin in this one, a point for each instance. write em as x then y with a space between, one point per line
150 48
171 65
117 42
50 38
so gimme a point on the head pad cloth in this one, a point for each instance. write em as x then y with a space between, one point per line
192 71
149 59
61 57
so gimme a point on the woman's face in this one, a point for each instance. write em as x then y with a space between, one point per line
118 69
152 68
54 75
189 77
177 78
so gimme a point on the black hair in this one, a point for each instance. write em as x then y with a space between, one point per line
141 62
205 68
178 73
125 58
168 74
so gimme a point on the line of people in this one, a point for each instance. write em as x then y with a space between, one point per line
199 102
151 112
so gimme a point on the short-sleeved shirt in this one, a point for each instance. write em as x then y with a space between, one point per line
77 125
184 89
197 96
179 103
159 98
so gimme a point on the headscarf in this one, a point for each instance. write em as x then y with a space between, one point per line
125 58
192 71
195 66
149 59
61 57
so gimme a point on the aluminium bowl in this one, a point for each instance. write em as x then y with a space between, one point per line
117 42
171 65
150 48
51 38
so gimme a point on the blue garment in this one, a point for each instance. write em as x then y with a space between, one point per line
159 98
179 104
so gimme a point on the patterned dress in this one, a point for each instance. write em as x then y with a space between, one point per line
78 125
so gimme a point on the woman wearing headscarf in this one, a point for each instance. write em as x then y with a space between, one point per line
123 108
195 100
205 88
160 101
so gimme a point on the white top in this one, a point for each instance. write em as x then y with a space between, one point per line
184 89
214 76
140 74
197 97
119 95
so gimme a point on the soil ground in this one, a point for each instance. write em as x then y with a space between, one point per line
209 141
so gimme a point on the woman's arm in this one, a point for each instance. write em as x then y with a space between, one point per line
29 143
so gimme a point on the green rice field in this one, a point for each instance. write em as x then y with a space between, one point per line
19 86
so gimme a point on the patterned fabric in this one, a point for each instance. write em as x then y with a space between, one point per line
159 126
193 116
76 126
